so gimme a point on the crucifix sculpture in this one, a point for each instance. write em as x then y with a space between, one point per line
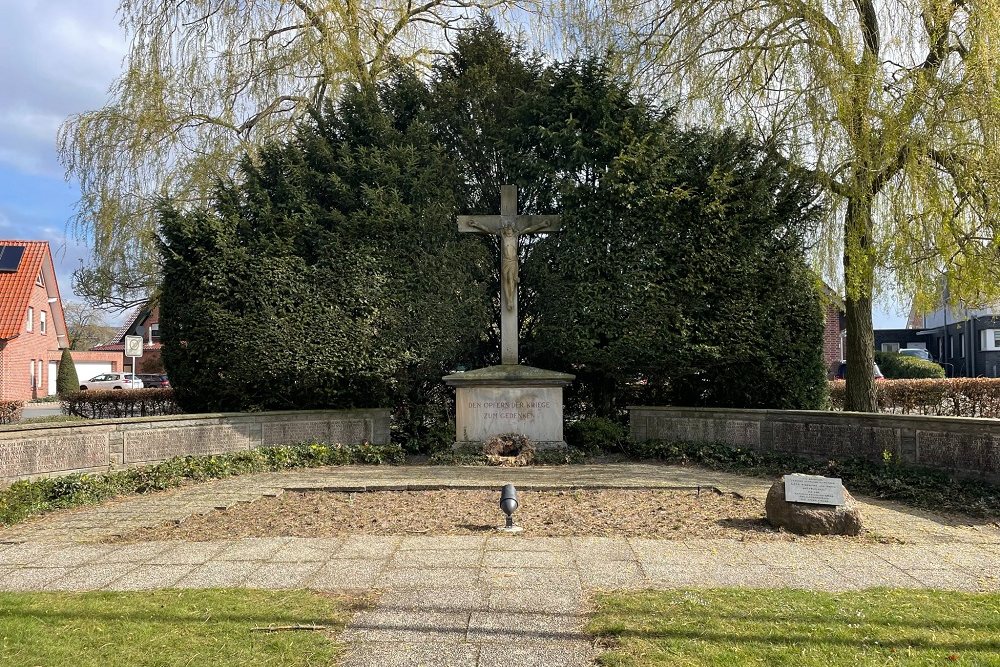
508 226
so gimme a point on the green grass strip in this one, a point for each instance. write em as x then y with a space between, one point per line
747 628
170 628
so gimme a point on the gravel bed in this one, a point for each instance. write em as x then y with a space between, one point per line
631 513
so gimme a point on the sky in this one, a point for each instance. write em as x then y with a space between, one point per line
58 58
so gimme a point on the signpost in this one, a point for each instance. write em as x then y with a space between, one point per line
133 348
814 489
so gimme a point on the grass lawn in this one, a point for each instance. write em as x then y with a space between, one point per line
790 627
169 628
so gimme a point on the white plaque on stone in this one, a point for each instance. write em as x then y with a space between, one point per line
814 489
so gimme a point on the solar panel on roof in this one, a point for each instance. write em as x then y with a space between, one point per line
10 257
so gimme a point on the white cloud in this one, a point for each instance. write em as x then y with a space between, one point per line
59 58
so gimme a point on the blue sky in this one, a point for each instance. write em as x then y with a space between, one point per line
57 58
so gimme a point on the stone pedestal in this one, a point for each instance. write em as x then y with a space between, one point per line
509 398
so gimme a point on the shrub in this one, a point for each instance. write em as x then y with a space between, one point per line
949 397
29 497
596 434
11 411
116 403
67 380
897 366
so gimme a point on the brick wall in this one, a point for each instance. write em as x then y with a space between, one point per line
42 450
30 346
832 353
963 446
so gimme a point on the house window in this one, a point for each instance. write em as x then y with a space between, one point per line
890 347
154 333
31 373
41 382
41 321
31 318
951 347
961 345
941 348
989 339
39 280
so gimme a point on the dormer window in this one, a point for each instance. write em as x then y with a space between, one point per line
40 281
31 318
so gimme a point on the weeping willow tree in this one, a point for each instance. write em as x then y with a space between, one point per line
205 81
894 105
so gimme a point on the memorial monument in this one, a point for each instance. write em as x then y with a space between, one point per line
509 398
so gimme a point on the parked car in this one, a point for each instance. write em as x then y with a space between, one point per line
154 381
112 381
842 371
917 352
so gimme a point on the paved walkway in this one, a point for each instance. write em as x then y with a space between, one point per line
481 600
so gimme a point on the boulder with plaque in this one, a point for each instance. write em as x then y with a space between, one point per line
813 505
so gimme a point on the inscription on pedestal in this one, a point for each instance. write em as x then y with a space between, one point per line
159 444
345 432
535 412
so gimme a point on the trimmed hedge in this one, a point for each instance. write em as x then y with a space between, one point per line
950 397
27 498
595 434
11 411
895 366
67 380
115 403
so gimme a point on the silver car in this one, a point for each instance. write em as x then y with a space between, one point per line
112 381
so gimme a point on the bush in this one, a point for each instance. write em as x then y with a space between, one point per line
949 397
11 411
116 403
895 366
67 380
596 434
26 498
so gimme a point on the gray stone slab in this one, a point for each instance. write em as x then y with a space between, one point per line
613 575
411 654
541 600
184 553
304 550
447 600
530 559
562 579
283 575
150 577
437 558
525 542
254 548
387 625
133 553
443 543
366 546
219 574
540 654
428 577
91 577
346 574
518 628
32 578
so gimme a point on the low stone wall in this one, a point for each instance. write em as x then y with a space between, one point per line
40 450
963 446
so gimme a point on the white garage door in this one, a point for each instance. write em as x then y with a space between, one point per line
88 369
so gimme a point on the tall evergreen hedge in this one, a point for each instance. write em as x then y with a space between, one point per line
67 380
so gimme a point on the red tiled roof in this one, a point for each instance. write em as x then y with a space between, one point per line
15 287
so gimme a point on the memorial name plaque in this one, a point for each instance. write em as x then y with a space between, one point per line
814 489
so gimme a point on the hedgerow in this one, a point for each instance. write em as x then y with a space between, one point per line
115 403
27 498
951 397
11 411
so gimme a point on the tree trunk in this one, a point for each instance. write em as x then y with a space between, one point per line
859 278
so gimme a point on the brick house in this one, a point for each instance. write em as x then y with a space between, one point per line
834 329
143 321
32 326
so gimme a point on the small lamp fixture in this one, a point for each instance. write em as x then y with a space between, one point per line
508 503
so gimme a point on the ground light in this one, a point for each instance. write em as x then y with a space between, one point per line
508 503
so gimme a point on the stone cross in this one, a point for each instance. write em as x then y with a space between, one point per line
508 226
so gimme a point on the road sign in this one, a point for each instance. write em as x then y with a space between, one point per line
133 346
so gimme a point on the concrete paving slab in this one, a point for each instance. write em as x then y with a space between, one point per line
151 577
346 574
541 654
443 543
525 577
428 577
412 654
219 574
300 550
32 578
283 575
183 553
531 559
437 558
386 625
133 553
252 548
613 575
364 546
91 577
507 627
